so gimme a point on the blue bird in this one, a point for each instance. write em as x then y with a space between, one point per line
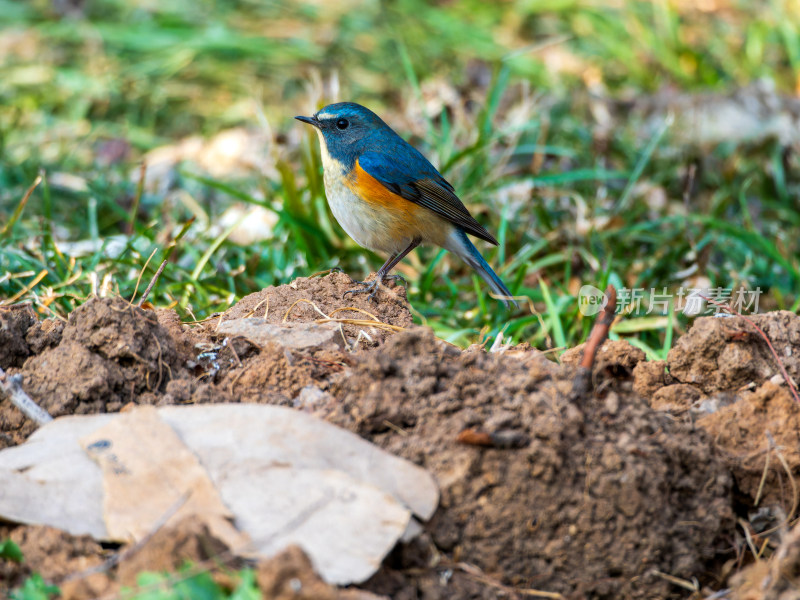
389 198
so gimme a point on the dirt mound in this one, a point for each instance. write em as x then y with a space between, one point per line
722 375
591 502
589 498
293 303
727 353
720 357
756 431
118 331
278 375
108 354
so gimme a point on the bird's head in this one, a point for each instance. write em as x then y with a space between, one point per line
345 128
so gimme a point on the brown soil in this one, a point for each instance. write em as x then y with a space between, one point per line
109 353
290 576
773 579
48 551
727 353
597 496
14 325
603 497
293 303
723 377
78 563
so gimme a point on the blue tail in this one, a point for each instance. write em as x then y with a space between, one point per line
458 243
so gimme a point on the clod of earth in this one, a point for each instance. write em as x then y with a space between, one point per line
723 377
14 324
727 353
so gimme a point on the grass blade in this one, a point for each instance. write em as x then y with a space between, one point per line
20 207
638 169
553 316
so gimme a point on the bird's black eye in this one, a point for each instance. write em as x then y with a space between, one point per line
342 123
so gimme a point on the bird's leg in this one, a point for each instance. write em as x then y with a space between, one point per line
371 286
383 273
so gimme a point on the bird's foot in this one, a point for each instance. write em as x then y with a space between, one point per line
370 287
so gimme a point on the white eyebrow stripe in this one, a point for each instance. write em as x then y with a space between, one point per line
325 115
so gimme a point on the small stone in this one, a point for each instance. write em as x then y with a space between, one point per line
312 398
612 403
294 336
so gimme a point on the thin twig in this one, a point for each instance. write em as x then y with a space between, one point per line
351 308
363 323
151 284
295 303
583 380
763 478
795 490
692 586
255 308
10 384
748 536
139 279
600 329
476 574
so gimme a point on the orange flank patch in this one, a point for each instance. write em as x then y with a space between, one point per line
373 192
394 214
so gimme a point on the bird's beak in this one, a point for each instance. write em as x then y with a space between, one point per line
311 121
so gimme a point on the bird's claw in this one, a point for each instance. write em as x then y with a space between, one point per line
370 287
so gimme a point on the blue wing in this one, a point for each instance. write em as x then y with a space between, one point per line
428 188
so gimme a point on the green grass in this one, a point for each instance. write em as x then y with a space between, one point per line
187 583
10 551
190 582
35 588
567 198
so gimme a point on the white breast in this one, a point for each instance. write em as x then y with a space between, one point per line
362 222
